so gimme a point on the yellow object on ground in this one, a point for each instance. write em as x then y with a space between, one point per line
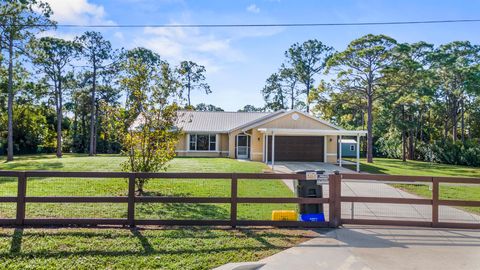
284 215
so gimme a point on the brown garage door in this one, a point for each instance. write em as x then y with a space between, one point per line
297 148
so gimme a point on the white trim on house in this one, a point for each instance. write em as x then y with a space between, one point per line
254 125
358 153
311 132
325 146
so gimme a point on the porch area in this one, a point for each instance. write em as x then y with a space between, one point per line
327 155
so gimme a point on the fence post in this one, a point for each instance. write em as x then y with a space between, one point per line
233 201
331 204
131 200
21 193
435 198
338 202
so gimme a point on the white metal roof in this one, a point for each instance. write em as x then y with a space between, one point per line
225 122
218 122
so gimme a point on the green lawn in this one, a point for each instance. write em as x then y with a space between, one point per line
152 248
395 166
162 187
447 191
185 248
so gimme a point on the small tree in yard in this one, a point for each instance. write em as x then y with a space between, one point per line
151 138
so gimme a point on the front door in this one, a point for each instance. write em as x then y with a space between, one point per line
242 146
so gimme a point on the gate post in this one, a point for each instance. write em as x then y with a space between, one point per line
435 198
331 200
334 210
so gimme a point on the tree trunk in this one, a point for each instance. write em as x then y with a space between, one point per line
92 113
140 184
370 128
454 121
10 99
404 137
84 133
59 117
445 129
292 98
308 93
421 126
96 129
462 104
189 89
411 148
411 139
75 125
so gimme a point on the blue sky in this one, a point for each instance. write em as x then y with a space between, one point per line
239 60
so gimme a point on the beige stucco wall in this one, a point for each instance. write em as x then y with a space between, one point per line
224 142
231 143
182 143
182 148
227 141
256 150
302 122
331 149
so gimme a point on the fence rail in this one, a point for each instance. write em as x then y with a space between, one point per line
21 199
435 202
334 199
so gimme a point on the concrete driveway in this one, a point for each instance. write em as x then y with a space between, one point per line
292 166
382 247
377 248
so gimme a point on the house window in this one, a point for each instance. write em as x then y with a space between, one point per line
352 147
203 142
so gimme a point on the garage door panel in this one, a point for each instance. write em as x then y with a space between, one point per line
297 148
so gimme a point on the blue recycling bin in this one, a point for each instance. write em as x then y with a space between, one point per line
320 217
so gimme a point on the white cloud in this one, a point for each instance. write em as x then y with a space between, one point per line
178 44
119 35
253 8
78 12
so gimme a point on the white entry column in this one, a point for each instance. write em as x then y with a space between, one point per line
358 152
273 150
266 148
340 151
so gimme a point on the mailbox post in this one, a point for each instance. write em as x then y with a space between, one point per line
309 188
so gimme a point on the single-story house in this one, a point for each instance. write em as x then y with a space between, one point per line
261 136
349 148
